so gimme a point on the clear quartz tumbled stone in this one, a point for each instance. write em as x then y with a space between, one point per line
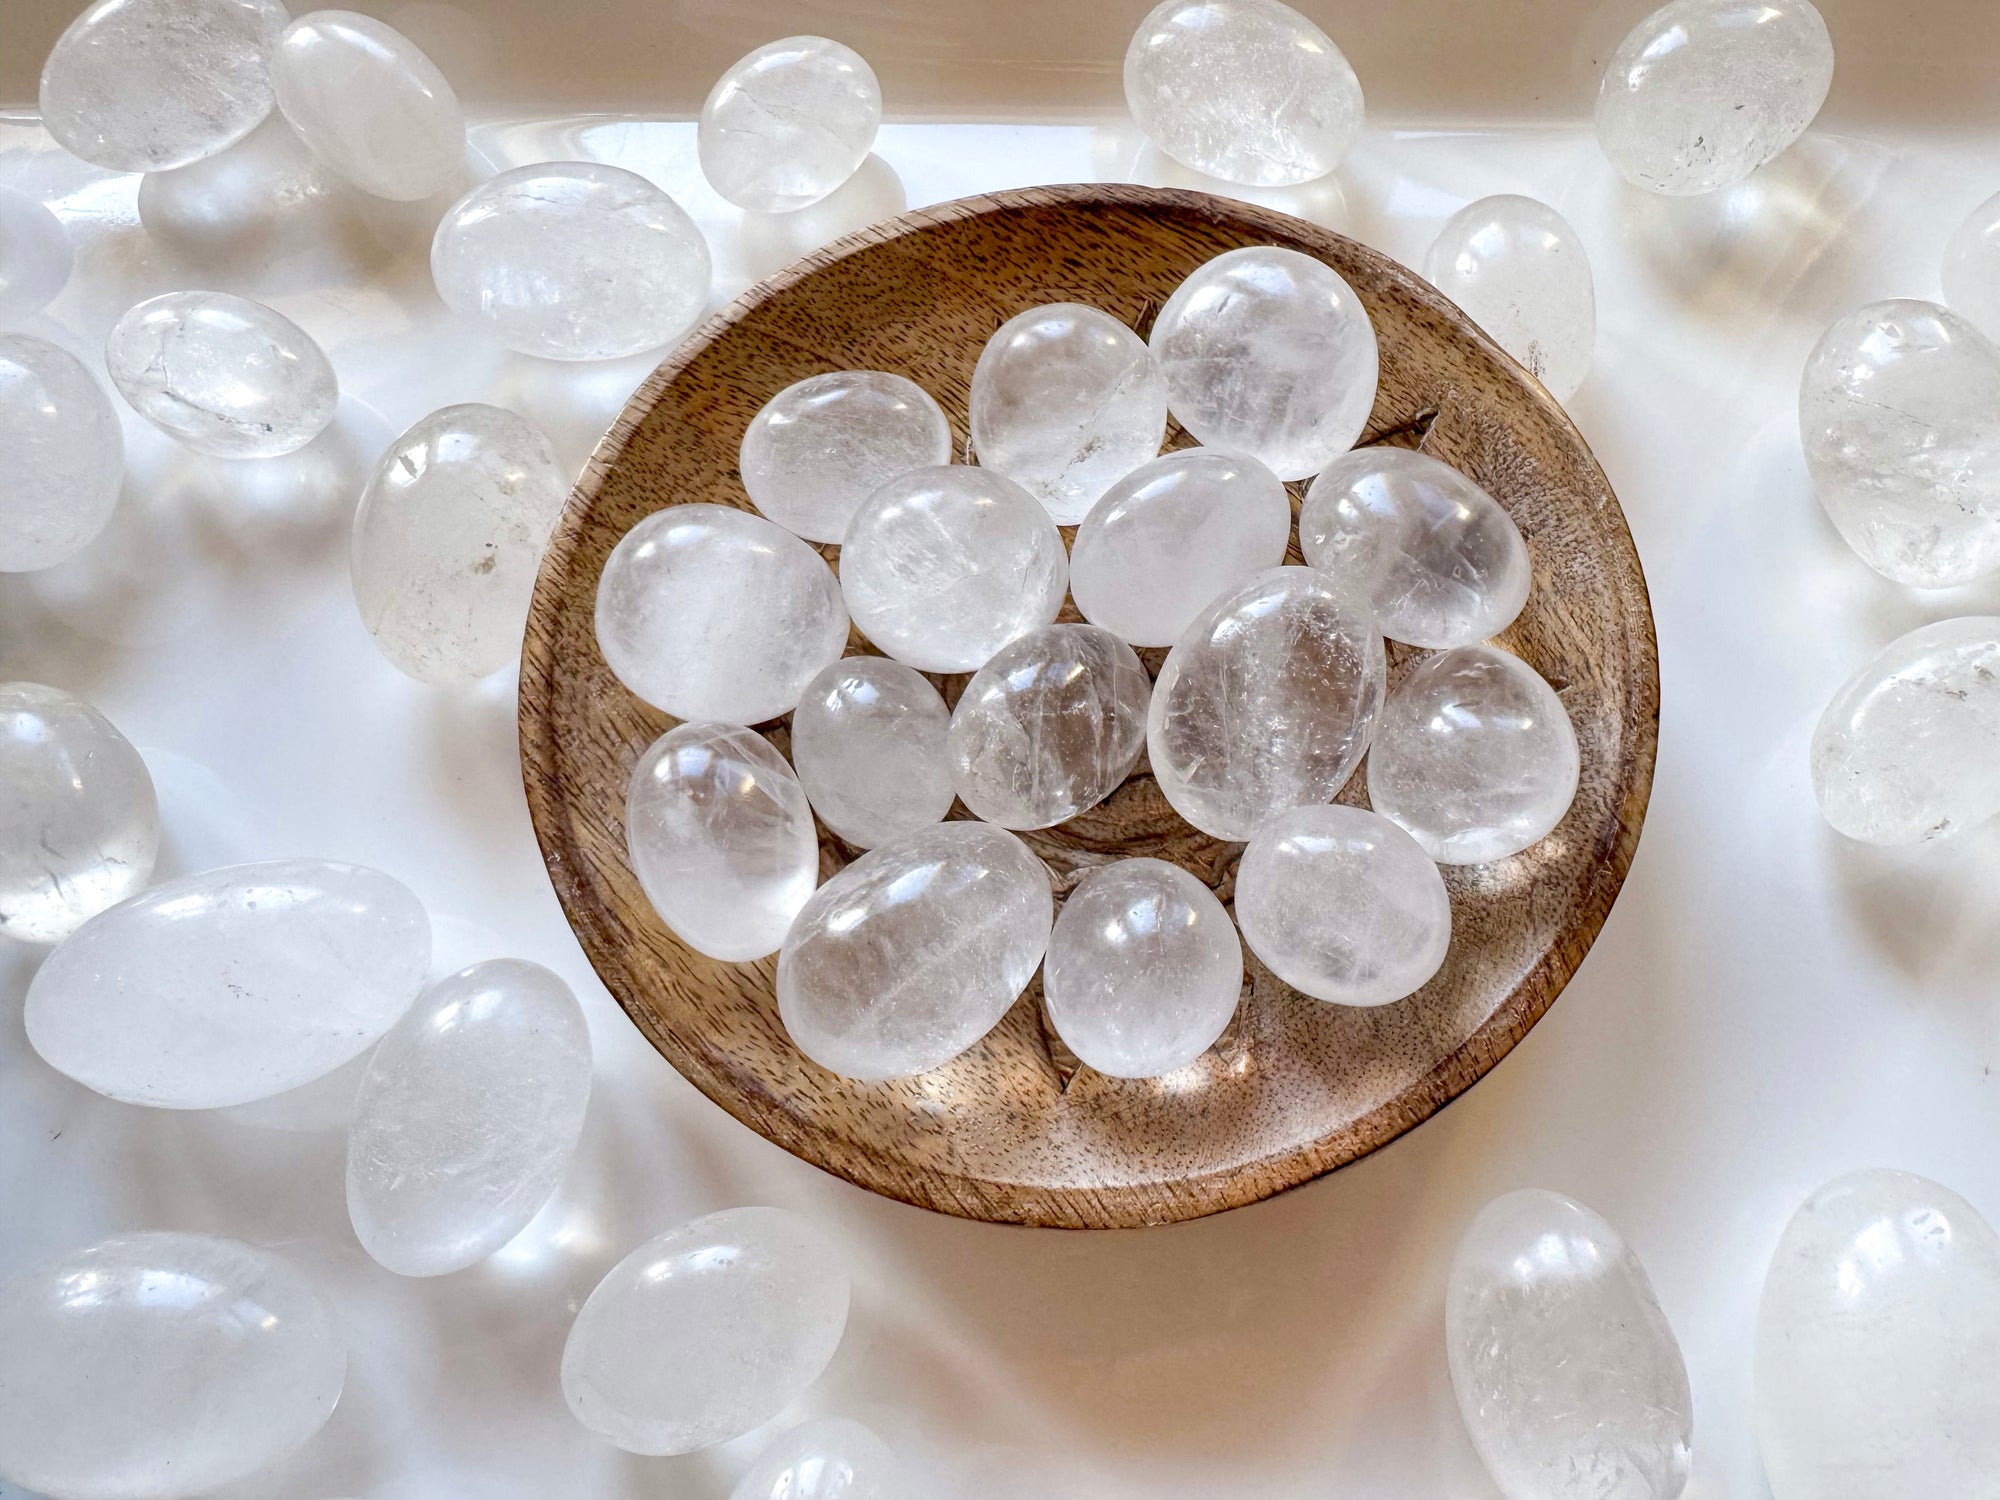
35 256
79 823
63 457
915 951
820 447
828 1458
789 123
1567 1373
1439 559
1065 400
1052 725
1972 269
1518 270
706 1331
1474 755
370 104
1899 409
869 745
1701 93
1269 353
1246 90
1144 970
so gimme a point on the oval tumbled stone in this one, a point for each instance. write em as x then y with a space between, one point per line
370 104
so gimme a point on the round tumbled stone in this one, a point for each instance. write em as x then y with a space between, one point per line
63 459
820 447
789 123
1972 269
35 256
1515 266
828 1458
370 104
869 744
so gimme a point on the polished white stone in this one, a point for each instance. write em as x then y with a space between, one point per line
62 458
1701 93
140 85
1246 90
942 567
79 824
706 1331
467 1116
1266 702
1909 748
572 260
1972 269
709 612
1268 353
1144 969
35 256
828 1458
1342 905
1900 412
1567 1373
230 985
370 103
821 446
868 741
1165 540
788 123
721 838
1052 725
1065 401
1442 563
1515 266
1877 1370
915 951
447 538
1474 755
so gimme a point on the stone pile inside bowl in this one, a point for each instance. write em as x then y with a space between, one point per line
1271 694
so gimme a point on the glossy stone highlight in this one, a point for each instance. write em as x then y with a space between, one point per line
789 123
829 1458
572 260
721 838
79 824
63 458
1065 401
1438 558
1246 90
868 741
1567 1373
1518 269
1269 354
370 104
709 612
467 1116
915 951
1900 412
1475 756
1972 268
230 985
1266 702
35 256
706 1331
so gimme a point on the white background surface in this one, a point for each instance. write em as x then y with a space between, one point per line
1766 1007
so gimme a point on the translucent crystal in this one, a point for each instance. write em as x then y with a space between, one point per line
1518 270
1246 90
1972 269
706 1331
1475 756
467 1116
789 123
722 839
1701 93
1049 727
1266 702
1165 540
35 256
230 985
1566 1371
222 374
447 538
1441 561
1065 400
830 1458
153 1366
1900 413
1909 748
63 457
1268 353
572 260
79 825
868 740
1143 970
822 446
1878 1346
370 104
915 951
138 85
713 613
942 567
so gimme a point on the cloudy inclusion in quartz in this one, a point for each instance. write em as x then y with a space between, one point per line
370 104
869 745
63 459
1972 269
1515 266
789 123
821 446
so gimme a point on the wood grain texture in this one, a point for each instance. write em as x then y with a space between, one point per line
1015 1130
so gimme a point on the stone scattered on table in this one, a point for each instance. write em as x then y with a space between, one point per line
1518 270
828 1458
789 123
370 103
869 745
35 256
1972 269
63 459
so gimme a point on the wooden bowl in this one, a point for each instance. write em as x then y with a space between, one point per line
1014 1130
